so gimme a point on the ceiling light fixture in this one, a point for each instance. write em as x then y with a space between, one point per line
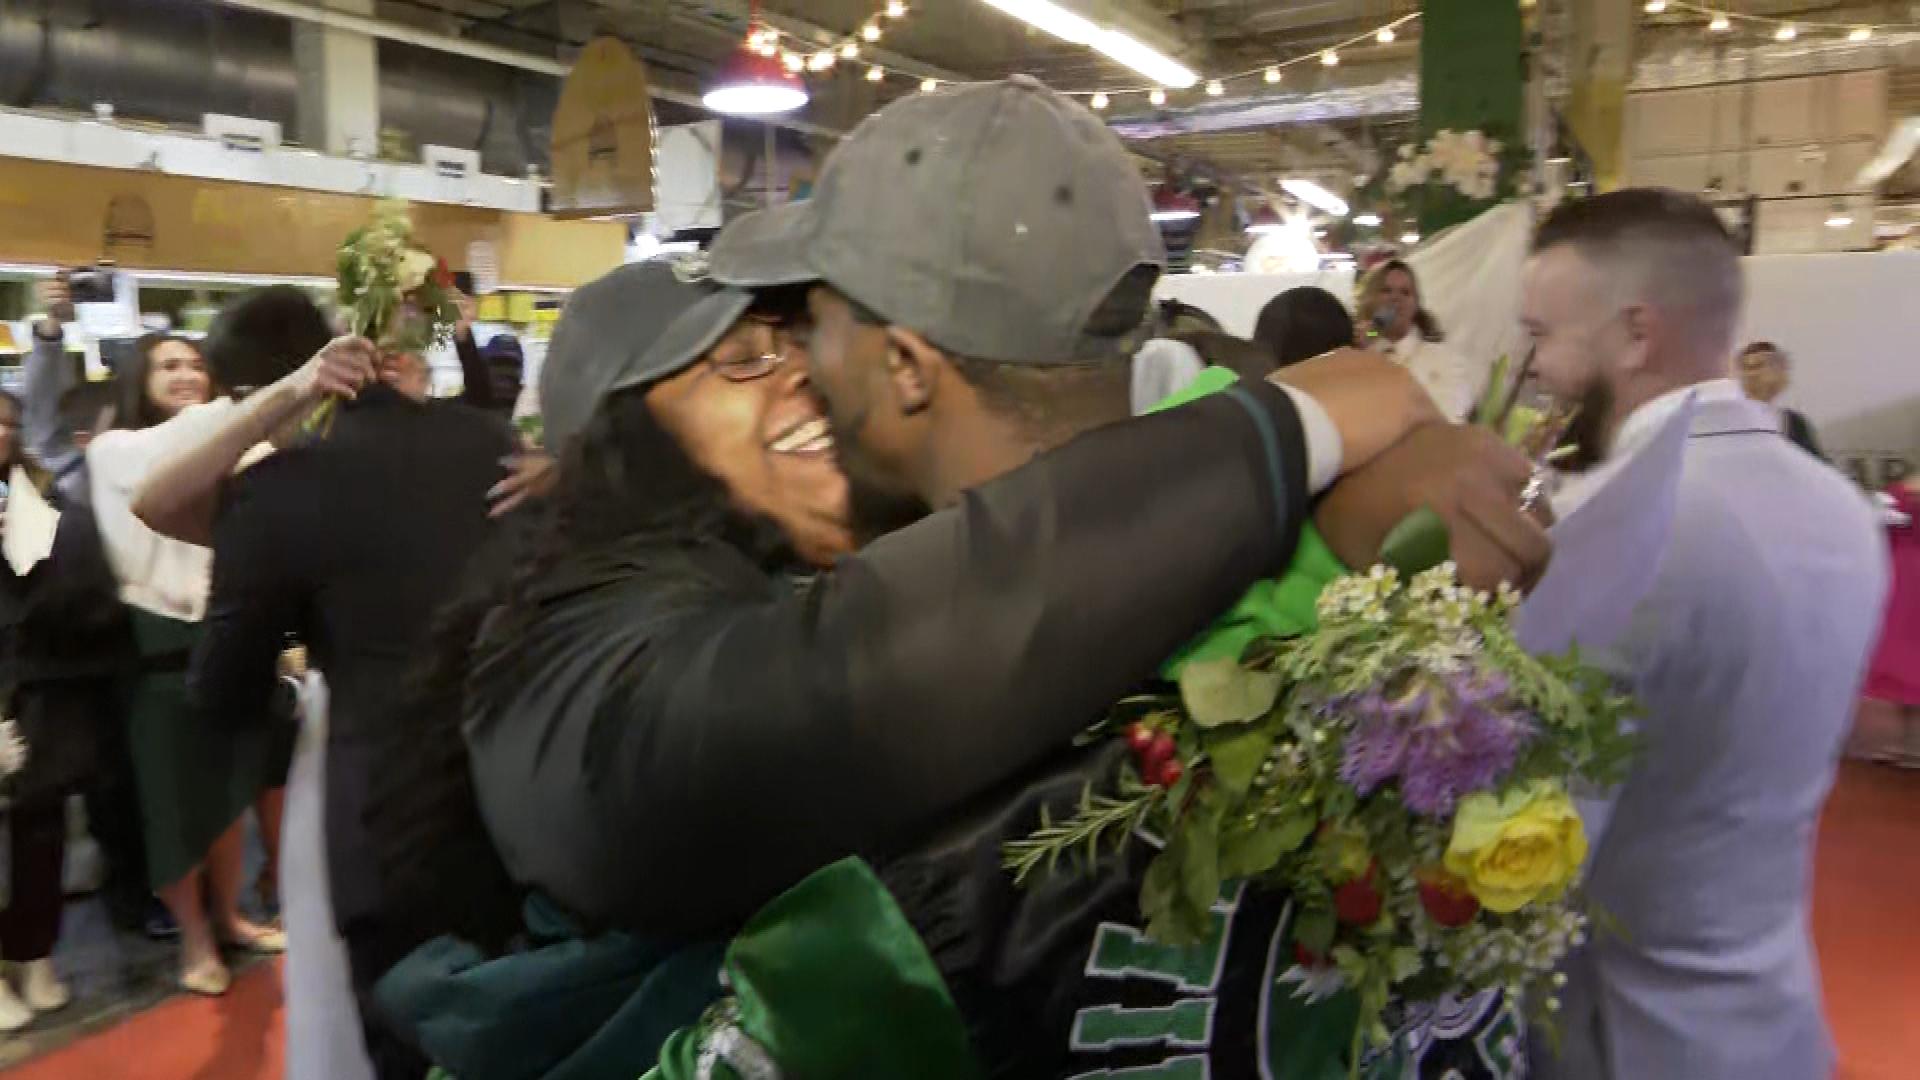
1720 23
896 9
1330 58
1273 75
793 62
1157 96
820 61
1315 196
1786 33
928 86
1385 36
1100 101
871 31
1216 88
849 51
1076 29
1367 220
1655 7
875 74
753 84
1861 33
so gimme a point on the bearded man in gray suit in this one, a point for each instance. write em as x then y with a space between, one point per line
1747 655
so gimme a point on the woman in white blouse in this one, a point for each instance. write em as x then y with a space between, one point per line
1392 320
197 774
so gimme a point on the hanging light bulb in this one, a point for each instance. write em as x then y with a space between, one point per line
1216 88
1720 24
1786 33
849 51
874 74
1655 7
1157 97
1385 36
1861 33
1100 101
871 31
793 62
1273 75
928 86
896 9
820 61
753 83
1330 58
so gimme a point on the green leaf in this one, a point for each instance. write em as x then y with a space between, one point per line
1200 858
1237 759
1221 691
1418 543
1404 963
1254 851
1314 929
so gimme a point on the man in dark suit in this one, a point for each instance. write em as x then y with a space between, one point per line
348 543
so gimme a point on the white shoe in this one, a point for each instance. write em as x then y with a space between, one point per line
42 987
14 1013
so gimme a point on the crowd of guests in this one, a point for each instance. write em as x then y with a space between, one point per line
680 740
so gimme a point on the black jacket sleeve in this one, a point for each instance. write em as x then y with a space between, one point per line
477 388
755 742
257 597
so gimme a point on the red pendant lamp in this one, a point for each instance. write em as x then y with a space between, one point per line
754 83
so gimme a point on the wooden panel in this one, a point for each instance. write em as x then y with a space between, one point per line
70 215
1784 111
603 135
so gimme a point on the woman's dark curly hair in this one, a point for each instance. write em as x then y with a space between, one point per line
619 482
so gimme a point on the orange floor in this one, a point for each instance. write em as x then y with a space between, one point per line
1866 919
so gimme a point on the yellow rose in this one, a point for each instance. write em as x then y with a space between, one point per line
1519 848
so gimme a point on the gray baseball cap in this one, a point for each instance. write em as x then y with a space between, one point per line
994 218
637 325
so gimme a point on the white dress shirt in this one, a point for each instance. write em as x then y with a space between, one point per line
1447 376
157 574
1639 426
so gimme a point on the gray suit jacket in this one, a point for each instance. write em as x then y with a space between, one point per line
1747 655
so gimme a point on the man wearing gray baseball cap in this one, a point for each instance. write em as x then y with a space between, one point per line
982 262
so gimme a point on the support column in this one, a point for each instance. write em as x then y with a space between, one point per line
339 96
1470 80
1601 69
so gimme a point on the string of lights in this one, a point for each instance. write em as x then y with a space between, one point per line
1725 20
803 57
1271 74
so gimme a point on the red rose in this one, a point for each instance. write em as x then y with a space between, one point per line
1357 903
442 276
1446 898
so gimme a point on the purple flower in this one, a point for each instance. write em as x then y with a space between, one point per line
1439 754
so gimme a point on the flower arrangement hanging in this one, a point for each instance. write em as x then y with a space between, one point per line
391 290
1403 771
1466 161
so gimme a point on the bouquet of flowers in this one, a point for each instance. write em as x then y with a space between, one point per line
392 291
1402 771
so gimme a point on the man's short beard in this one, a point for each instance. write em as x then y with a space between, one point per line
1586 437
874 509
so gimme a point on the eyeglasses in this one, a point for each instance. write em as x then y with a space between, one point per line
759 365
748 368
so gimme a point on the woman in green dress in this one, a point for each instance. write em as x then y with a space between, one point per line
196 776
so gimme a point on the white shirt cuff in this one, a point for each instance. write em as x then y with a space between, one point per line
1324 448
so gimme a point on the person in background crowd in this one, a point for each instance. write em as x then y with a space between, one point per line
1392 319
491 374
196 779
1765 371
346 543
61 416
1302 323
1747 656
58 622
1893 681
